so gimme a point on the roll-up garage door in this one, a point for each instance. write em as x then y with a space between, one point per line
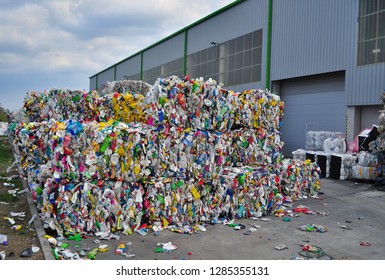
314 103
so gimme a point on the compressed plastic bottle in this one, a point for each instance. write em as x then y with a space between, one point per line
3 239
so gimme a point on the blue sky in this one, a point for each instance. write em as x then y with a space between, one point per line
47 44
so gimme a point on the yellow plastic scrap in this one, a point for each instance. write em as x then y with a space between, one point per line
165 222
195 193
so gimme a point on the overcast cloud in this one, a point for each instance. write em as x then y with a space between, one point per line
47 44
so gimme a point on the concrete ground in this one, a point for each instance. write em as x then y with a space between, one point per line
355 231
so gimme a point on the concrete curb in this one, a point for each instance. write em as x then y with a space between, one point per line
38 225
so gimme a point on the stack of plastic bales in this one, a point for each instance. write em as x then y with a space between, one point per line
321 147
315 139
378 147
364 167
186 151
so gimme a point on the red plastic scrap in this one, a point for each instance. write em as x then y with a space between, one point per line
302 209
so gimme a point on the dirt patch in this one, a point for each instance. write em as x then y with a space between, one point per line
13 201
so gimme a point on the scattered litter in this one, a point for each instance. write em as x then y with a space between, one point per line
22 191
16 227
313 252
2 255
165 247
250 230
122 250
64 245
344 226
142 231
286 219
365 244
17 214
3 239
12 192
26 253
281 247
10 220
313 228
32 219
255 225
76 237
92 254
9 184
35 249
103 248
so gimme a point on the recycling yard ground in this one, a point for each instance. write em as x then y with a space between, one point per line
351 212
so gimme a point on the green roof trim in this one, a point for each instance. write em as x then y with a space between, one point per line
174 34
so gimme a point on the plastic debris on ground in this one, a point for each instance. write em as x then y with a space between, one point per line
313 228
180 152
165 247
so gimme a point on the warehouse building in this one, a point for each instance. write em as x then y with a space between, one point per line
326 59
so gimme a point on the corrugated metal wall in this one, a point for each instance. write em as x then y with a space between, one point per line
128 67
310 37
93 85
164 52
106 76
365 84
243 18
312 103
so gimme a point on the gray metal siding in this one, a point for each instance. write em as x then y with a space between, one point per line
128 67
106 76
165 52
243 18
312 103
365 84
369 115
93 83
311 37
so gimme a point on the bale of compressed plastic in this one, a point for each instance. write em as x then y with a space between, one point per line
61 104
315 139
124 86
182 151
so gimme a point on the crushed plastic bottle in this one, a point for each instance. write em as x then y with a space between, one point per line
3 239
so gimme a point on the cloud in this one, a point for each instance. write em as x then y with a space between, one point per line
56 43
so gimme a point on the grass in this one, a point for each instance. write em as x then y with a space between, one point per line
6 197
6 155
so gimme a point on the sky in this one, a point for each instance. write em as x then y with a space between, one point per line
47 44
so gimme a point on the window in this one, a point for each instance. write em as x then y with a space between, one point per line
174 67
371 32
236 61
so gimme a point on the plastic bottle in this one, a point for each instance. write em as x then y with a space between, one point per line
3 239
105 145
